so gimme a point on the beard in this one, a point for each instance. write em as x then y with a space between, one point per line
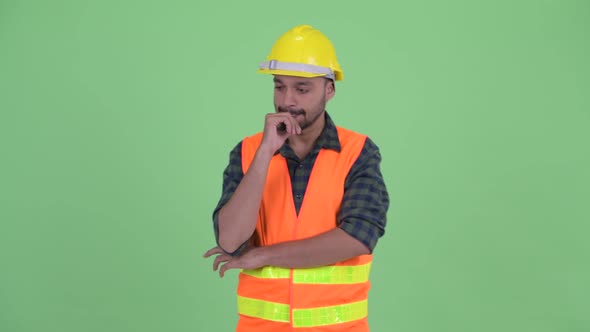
318 111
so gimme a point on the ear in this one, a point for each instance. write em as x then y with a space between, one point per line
330 89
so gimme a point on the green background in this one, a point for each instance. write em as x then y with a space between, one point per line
117 118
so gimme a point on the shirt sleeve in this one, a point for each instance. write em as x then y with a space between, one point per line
232 176
363 213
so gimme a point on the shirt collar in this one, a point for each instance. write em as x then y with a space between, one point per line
328 139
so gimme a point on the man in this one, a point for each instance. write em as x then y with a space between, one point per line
303 202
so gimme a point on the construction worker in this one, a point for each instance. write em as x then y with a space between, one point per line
303 202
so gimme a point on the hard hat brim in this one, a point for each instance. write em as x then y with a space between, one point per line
289 73
297 73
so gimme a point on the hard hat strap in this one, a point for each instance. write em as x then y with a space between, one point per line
301 67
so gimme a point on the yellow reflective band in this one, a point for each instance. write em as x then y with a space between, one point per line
330 315
317 275
269 272
279 312
333 274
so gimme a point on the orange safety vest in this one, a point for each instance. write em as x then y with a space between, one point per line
320 299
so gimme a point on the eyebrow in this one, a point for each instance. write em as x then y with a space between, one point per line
303 83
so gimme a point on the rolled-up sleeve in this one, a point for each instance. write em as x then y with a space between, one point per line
363 212
232 176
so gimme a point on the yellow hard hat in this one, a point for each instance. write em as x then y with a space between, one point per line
303 51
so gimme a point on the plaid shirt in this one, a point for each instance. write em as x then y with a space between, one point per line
364 205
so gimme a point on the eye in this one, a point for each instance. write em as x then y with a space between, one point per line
278 87
302 91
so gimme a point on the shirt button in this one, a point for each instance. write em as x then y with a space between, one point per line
300 166
298 196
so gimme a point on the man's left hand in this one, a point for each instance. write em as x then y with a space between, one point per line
251 259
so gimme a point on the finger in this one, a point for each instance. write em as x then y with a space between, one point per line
213 251
290 122
288 125
291 126
220 259
231 265
277 121
295 126
284 128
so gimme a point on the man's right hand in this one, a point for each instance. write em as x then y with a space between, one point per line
273 138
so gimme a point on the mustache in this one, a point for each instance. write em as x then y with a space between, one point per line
291 111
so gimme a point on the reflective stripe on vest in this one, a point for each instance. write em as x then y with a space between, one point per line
338 274
279 312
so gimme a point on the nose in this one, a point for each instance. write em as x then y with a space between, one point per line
289 98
